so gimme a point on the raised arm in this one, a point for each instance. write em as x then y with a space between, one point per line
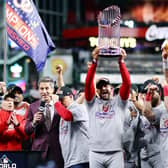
126 82
152 101
89 83
63 112
60 80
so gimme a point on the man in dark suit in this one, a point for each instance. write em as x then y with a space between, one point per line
43 123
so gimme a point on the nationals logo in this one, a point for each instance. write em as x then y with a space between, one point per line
105 107
106 112
164 124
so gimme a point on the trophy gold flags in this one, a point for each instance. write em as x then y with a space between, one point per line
109 31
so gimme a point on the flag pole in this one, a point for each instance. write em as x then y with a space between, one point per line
5 46
5 57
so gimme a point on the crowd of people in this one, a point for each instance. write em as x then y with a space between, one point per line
100 127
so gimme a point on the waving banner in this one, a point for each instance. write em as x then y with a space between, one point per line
26 29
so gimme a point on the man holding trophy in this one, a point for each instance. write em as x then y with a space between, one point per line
107 113
106 116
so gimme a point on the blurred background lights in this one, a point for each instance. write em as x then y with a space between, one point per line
16 70
129 23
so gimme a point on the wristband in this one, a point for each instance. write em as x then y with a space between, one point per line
148 97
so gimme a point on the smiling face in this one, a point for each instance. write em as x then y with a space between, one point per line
105 92
46 90
18 98
8 104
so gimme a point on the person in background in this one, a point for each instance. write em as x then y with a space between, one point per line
21 108
11 126
60 83
164 116
60 79
164 83
132 131
2 90
34 95
10 87
73 130
43 122
155 79
152 109
106 115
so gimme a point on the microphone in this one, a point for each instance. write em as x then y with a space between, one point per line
42 106
41 109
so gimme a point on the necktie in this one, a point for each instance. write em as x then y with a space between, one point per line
48 117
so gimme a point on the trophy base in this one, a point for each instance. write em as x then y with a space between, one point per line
109 52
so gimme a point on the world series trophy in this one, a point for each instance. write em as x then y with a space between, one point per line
109 31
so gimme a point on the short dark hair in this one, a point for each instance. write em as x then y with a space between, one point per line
11 95
46 79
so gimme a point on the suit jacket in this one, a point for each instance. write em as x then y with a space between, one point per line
44 140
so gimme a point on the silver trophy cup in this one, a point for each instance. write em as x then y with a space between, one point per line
109 31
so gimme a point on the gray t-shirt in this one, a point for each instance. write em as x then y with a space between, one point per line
164 137
152 133
106 121
74 136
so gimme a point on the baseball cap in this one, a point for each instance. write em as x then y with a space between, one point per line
102 81
10 87
64 91
146 83
17 89
134 87
81 90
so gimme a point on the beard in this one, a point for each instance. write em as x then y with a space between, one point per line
105 96
155 99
